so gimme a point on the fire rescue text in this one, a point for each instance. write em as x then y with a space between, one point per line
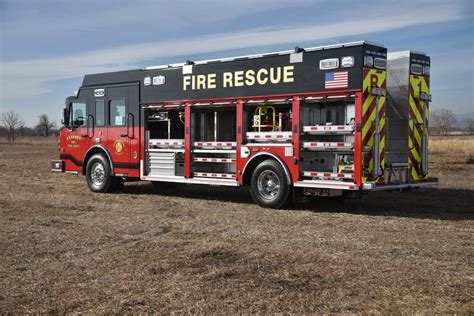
241 78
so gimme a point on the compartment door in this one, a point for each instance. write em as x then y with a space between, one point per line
418 127
373 125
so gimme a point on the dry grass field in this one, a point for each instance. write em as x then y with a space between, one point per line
200 249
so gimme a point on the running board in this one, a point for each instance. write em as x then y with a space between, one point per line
326 184
208 181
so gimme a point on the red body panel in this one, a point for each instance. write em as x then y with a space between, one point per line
119 149
75 143
73 146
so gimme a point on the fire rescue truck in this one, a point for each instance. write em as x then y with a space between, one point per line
317 121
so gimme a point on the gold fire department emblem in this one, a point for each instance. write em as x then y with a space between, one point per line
118 146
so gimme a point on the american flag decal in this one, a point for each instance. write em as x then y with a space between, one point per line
336 80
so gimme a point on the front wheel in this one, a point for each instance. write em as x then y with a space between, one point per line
269 186
99 174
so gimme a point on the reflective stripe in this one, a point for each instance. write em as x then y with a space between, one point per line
328 175
215 144
328 145
166 142
214 175
225 160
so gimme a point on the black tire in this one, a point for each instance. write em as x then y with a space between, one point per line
99 174
269 185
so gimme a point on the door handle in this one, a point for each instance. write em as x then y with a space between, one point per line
90 116
130 116
126 133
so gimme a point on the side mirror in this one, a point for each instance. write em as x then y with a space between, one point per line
65 117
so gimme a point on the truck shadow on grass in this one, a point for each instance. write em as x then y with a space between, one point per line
429 203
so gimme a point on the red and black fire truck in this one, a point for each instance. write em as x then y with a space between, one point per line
317 121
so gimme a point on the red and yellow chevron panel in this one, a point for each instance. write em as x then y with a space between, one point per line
372 106
418 114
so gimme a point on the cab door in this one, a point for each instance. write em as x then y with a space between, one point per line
119 129
75 139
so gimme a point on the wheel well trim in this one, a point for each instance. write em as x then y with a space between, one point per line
104 150
278 159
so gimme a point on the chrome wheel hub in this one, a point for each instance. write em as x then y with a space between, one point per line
268 185
98 174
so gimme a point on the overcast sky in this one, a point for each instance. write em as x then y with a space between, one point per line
47 46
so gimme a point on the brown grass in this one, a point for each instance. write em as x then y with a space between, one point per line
201 249
462 146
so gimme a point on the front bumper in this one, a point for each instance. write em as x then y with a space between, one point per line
57 166
400 186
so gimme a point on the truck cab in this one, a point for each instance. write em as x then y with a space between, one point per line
100 136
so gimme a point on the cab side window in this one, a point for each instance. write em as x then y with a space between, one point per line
78 114
100 113
117 112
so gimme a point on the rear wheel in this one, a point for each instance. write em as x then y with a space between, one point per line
269 186
99 174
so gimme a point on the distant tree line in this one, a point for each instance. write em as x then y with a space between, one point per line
442 122
13 126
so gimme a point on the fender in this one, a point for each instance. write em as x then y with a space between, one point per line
285 168
106 152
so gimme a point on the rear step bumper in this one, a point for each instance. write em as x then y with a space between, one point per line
400 186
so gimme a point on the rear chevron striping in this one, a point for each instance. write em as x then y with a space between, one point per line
369 110
414 163
369 116
418 115
369 134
